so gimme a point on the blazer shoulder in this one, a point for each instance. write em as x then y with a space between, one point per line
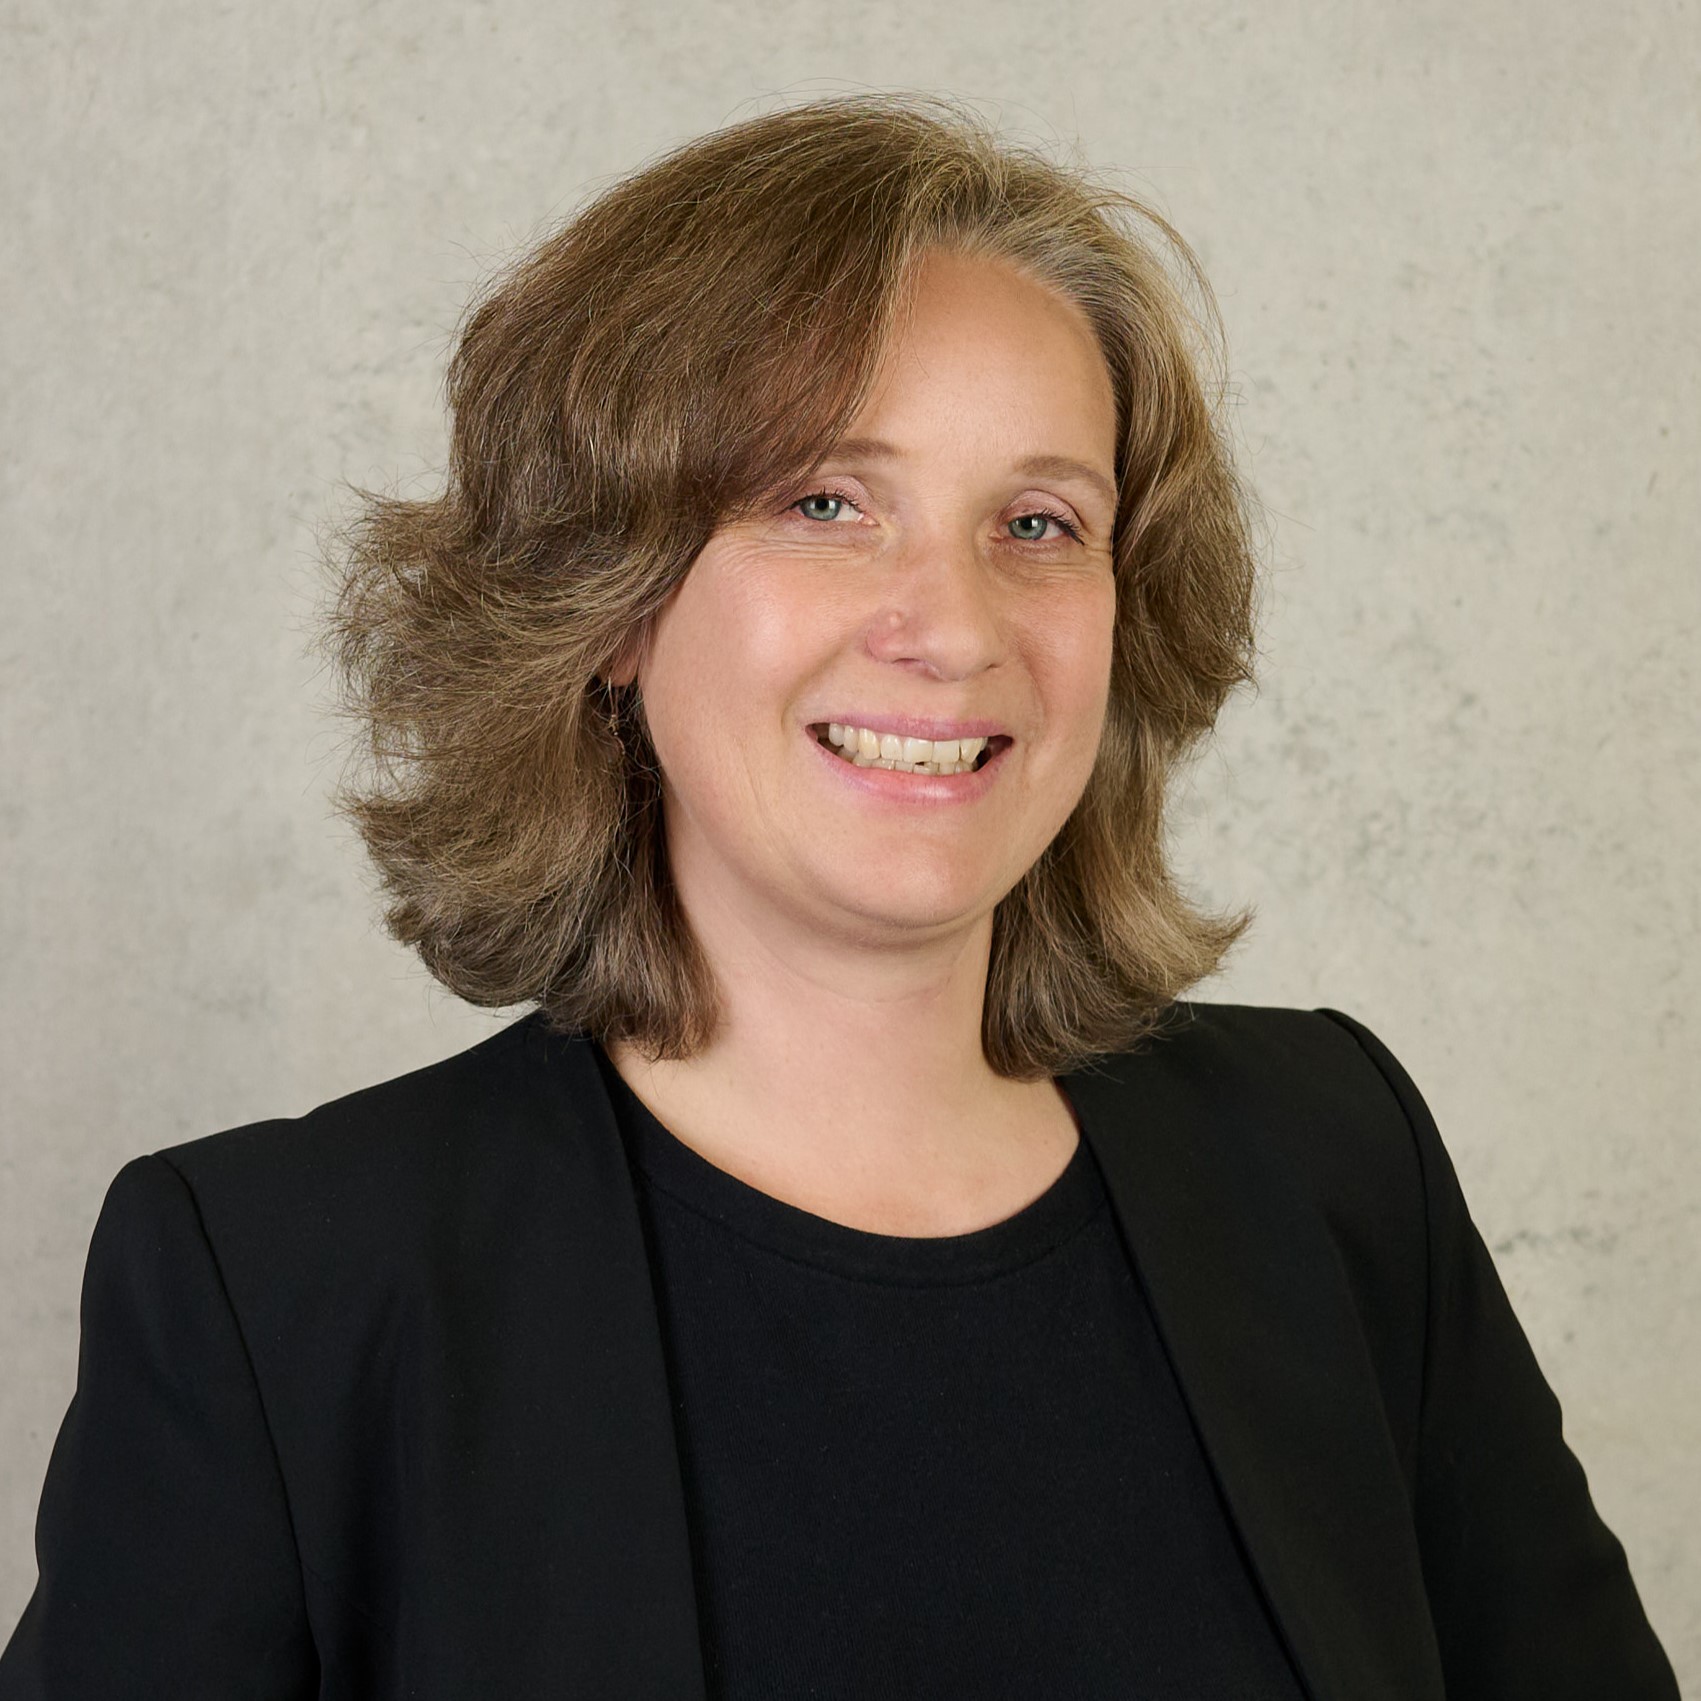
1316 1085
406 1160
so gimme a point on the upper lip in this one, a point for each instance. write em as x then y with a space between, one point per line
917 726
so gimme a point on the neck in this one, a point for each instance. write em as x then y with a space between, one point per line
846 1068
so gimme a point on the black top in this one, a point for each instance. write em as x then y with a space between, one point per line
917 1466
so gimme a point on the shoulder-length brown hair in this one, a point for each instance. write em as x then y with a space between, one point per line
691 340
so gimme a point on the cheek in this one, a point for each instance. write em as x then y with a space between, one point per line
1081 642
760 621
722 677
703 661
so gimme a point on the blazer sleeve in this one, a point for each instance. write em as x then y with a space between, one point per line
1530 1592
167 1564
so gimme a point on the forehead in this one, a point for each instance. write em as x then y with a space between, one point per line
982 351
955 297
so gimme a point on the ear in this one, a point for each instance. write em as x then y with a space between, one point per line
624 668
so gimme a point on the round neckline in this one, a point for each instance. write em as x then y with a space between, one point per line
668 1164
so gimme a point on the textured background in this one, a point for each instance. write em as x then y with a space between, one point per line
1456 247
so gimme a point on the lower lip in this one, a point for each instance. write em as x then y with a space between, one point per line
891 785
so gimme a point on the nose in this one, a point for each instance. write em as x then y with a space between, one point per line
938 611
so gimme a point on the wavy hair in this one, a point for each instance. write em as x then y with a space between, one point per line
693 338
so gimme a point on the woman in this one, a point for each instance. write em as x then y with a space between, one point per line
862 1274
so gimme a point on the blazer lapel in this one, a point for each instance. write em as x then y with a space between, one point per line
1250 1302
632 1633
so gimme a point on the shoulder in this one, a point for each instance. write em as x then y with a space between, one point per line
1315 1091
361 1182
1320 1096
1281 1049
476 1094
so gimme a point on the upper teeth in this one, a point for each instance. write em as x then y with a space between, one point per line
889 747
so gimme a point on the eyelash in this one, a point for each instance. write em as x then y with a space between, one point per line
1026 514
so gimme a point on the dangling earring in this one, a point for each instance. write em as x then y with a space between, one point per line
613 712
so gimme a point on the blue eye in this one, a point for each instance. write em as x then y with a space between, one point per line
1045 517
822 496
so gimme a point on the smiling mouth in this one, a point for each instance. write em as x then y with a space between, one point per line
988 749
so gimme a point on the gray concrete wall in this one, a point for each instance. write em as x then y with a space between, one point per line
1457 250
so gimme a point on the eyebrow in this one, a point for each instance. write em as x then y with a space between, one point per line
1038 466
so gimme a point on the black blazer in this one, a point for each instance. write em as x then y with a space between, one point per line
373 1402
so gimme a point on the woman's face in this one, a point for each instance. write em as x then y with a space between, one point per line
924 580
